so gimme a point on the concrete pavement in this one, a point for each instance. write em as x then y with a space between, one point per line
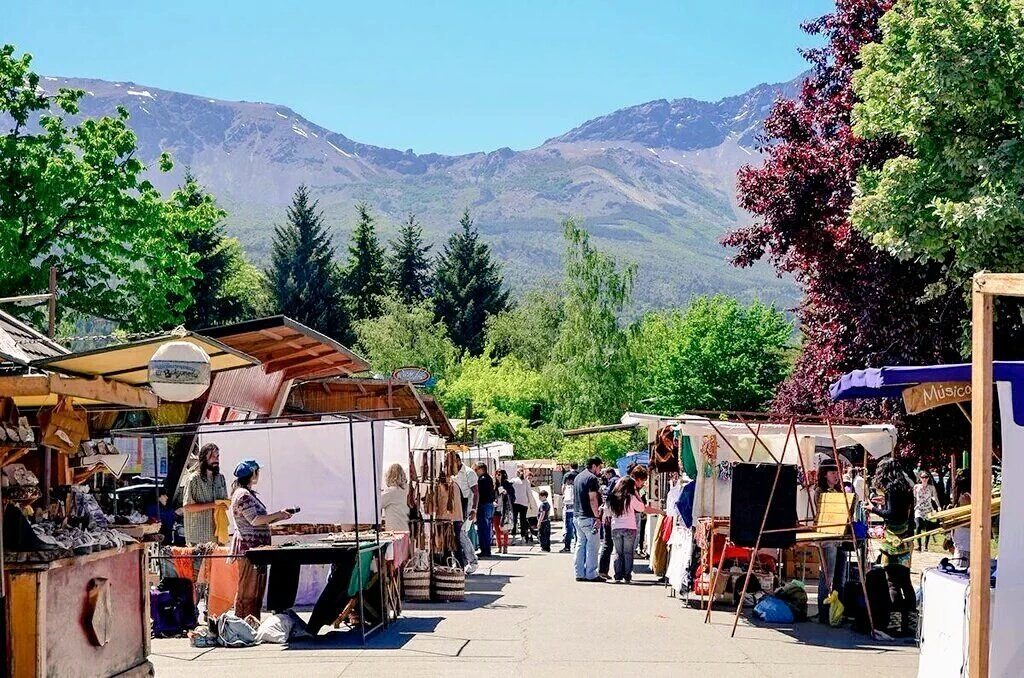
525 615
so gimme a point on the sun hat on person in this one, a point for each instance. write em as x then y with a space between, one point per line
246 468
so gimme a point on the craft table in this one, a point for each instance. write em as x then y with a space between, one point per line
357 573
54 629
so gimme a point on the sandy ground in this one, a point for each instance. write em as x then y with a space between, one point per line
526 616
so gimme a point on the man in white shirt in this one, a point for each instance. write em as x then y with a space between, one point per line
467 480
521 506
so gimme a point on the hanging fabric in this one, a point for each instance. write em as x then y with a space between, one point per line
665 451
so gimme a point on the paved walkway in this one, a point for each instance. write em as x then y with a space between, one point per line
526 616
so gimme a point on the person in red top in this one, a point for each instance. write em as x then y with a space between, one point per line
252 529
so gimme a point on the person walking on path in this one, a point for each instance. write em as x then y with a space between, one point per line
521 506
467 481
485 508
504 492
586 509
926 500
206 491
544 522
607 547
568 510
252 529
624 505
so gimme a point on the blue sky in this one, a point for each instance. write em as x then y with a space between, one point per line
445 77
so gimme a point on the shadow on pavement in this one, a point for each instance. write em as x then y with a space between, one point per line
395 637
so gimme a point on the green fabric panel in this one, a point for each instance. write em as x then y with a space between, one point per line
355 583
689 462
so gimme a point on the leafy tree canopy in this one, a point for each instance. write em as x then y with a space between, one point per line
527 331
589 374
715 355
73 197
945 79
404 335
506 386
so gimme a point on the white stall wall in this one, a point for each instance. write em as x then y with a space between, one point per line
310 466
1007 642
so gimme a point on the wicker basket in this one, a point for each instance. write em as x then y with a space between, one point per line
416 584
449 583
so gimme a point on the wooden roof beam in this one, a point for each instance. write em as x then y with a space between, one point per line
97 389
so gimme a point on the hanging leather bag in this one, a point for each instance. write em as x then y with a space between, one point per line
64 427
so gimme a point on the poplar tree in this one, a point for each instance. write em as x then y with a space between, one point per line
468 287
302 278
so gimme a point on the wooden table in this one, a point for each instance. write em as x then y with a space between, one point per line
48 616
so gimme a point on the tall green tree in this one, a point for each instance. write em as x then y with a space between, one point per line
528 330
468 287
302 278
716 355
945 79
410 263
213 299
589 371
73 197
364 278
405 334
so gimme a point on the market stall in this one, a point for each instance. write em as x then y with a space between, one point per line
717 480
1007 645
331 468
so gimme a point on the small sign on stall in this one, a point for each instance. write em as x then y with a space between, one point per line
923 397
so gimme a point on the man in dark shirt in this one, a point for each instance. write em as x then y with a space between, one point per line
485 508
586 502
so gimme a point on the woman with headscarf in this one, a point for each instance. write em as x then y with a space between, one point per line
252 529
394 499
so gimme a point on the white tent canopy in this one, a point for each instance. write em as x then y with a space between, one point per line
309 465
736 442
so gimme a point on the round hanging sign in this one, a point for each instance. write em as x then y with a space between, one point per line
179 371
413 375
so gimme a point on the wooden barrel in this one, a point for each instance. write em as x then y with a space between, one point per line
416 584
449 584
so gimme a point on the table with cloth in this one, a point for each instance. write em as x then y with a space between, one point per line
355 567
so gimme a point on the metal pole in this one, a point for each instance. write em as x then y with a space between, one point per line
355 507
51 327
376 522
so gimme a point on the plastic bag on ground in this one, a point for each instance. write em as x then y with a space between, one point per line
233 631
835 609
773 611
282 627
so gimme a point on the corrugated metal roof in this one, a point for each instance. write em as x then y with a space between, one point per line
20 343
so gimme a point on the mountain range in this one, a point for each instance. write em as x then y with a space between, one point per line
653 183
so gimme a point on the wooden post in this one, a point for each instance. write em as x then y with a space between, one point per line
52 304
981 480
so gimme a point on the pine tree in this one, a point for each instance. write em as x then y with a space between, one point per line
302 278
468 287
365 276
410 266
214 299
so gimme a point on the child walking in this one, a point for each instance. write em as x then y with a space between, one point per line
544 521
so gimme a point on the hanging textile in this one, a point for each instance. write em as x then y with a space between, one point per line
751 489
665 451
689 461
